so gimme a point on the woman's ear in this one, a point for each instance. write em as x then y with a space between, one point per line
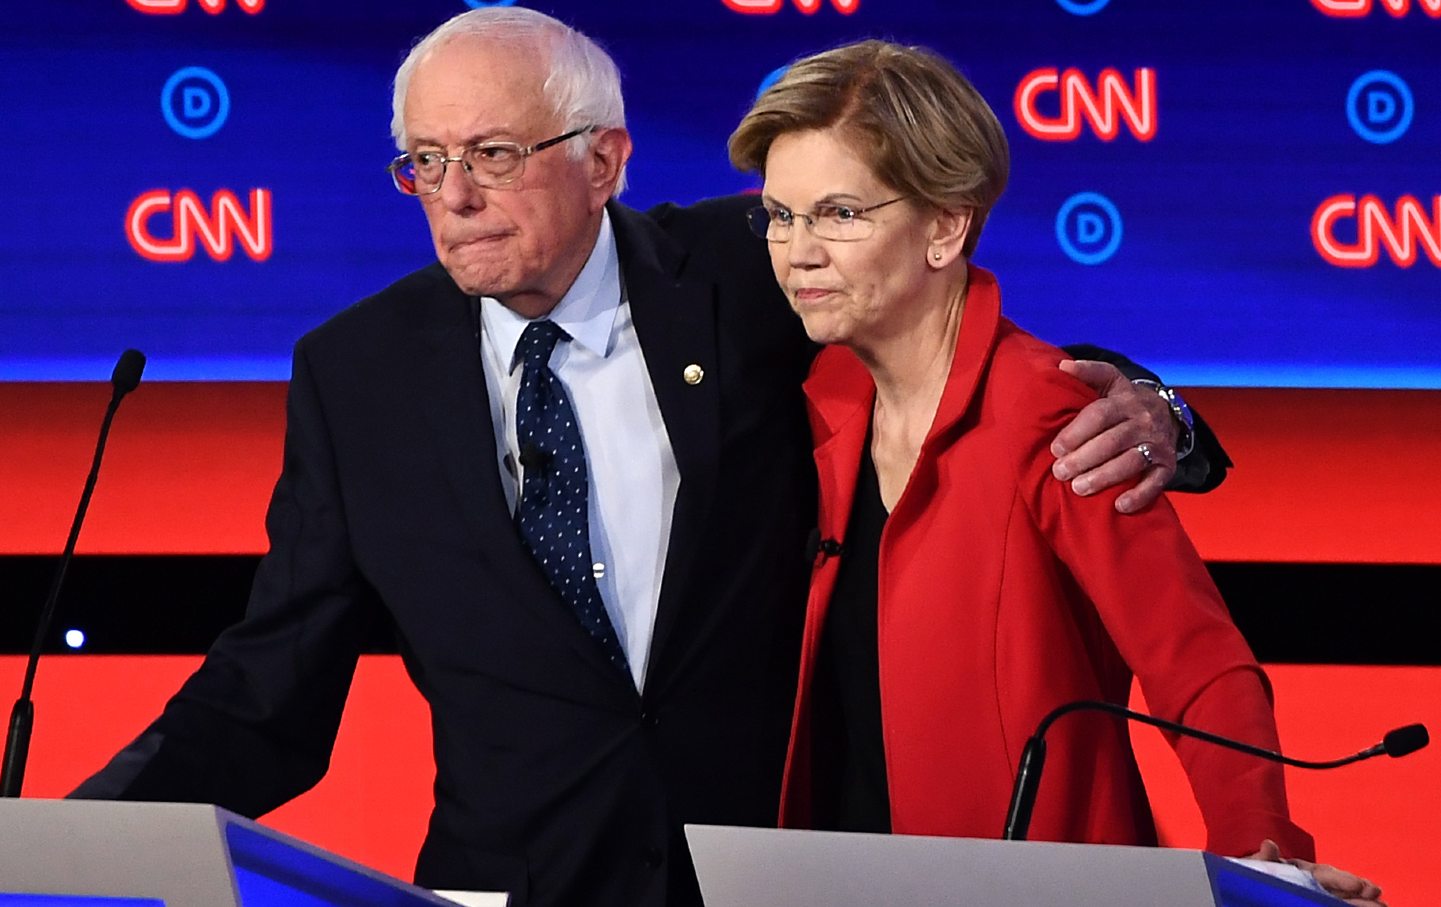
948 236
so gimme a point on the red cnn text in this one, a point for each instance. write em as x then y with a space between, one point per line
218 230
1103 106
171 7
1401 231
1354 9
771 7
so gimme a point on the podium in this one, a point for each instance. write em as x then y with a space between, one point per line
766 867
91 853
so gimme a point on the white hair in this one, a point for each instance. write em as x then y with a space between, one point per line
582 83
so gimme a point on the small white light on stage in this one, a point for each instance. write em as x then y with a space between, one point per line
74 638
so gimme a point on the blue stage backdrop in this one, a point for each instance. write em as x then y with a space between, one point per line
1244 192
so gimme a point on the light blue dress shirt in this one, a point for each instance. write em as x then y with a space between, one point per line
633 474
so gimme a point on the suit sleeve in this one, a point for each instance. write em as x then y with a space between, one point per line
1160 609
254 726
1205 467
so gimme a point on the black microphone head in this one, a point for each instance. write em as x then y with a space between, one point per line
1405 740
533 457
128 369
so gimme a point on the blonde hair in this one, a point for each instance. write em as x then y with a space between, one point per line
920 126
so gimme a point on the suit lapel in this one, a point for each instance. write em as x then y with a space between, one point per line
674 318
456 402
454 398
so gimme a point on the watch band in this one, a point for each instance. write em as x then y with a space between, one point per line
1180 411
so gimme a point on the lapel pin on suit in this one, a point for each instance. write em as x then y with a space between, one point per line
693 374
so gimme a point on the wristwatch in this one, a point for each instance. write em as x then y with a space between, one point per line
1186 440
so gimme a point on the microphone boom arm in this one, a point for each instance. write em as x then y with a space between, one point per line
1397 743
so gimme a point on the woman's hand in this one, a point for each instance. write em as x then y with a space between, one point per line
1103 445
1338 882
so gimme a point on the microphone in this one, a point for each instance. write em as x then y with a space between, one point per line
126 375
124 379
822 548
532 457
1400 742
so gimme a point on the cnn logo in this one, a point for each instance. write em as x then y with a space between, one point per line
171 7
1353 9
218 230
1104 106
1401 231
771 7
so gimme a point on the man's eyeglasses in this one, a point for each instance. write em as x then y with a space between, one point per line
842 223
490 165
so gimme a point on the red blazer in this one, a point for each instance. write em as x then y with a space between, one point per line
1004 594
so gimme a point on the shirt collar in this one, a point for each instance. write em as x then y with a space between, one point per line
587 311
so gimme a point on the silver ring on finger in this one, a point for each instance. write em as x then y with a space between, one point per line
1144 449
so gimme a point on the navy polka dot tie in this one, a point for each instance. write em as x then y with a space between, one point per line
554 512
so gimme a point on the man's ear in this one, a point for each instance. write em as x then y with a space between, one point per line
609 150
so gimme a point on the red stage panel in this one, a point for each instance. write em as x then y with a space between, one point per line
188 469
372 807
1324 476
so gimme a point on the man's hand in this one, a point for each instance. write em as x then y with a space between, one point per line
1338 883
1126 433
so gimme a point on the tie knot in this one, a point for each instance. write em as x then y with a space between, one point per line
537 341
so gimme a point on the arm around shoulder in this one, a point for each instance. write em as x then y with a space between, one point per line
1201 469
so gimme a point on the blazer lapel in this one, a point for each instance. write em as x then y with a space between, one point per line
841 396
980 326
674 318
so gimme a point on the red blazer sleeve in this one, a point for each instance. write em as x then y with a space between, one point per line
1166 618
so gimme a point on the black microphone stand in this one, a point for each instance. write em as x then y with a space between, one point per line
22 717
